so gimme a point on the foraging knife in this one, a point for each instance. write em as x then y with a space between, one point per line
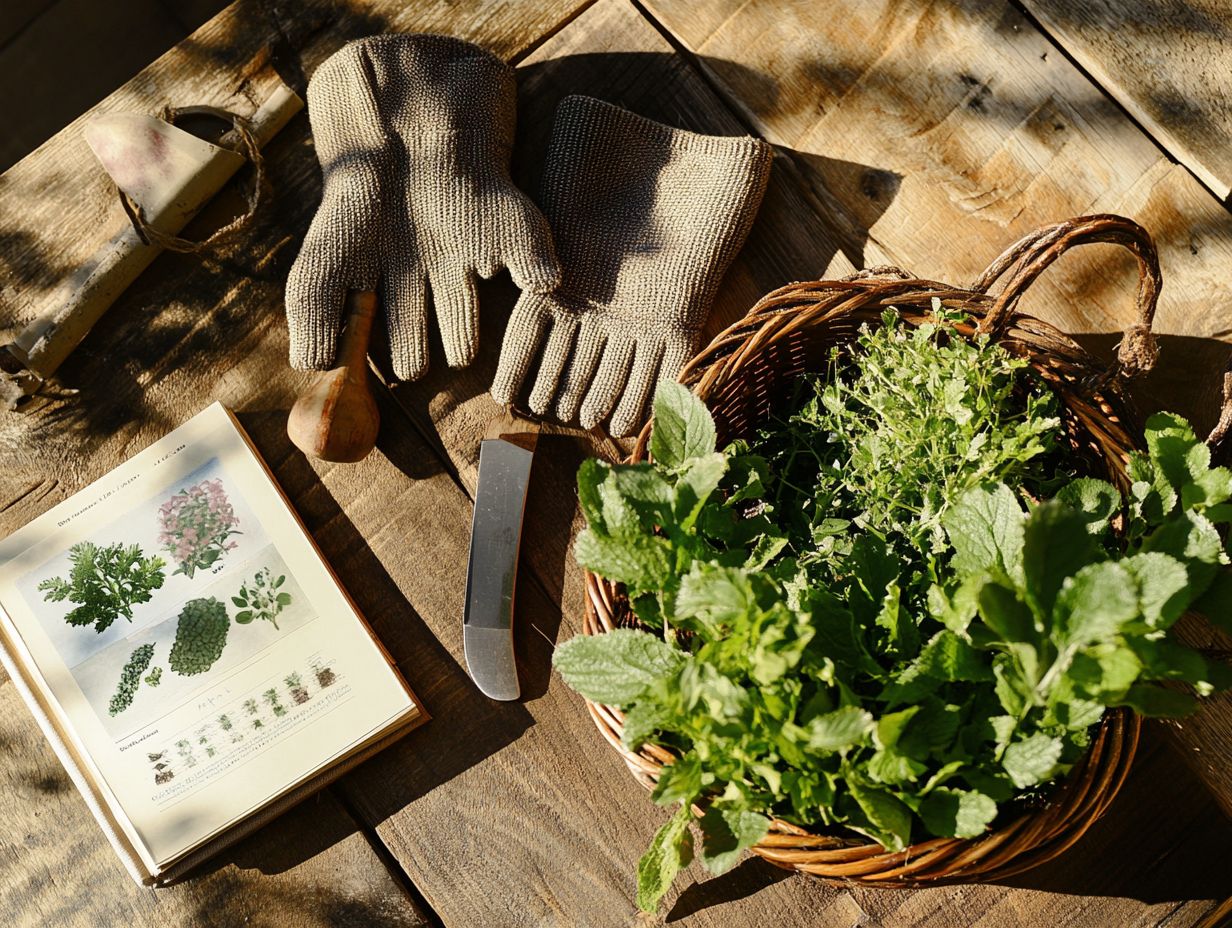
491 573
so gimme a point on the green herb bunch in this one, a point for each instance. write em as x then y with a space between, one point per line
130 679
854 623
106 582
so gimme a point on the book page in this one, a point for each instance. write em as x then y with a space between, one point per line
196 647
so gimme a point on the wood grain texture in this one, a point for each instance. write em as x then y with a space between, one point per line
987 134
1168 62
185 334
501 814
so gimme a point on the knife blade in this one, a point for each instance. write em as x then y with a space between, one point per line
492 566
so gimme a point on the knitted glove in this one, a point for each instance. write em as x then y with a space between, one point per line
646 218
414 134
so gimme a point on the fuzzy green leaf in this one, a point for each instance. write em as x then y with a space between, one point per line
683 428
615 668
728 833
1032 760
671 850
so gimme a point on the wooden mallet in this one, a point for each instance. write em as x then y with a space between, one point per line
336 419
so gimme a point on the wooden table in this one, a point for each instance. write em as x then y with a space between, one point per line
927 135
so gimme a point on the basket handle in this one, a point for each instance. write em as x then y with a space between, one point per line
1031 255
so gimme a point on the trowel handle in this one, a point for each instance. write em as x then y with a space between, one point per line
336 418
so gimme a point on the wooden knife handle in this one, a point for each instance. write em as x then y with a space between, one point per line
336 418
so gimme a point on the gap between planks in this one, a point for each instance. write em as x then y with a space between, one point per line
1029 15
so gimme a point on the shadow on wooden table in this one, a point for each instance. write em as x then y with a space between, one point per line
1187 379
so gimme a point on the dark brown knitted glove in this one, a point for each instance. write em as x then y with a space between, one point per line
646 220
414 134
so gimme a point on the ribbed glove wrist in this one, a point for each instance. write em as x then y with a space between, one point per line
414 134
646 220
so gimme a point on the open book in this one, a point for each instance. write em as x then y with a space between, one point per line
187 652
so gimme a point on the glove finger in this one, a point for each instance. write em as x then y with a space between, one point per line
608 382
406 322
580 371
552 362
457 313
676 355
630 412
522 338
315 292
528 250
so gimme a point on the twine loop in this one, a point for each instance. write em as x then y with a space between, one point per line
247 146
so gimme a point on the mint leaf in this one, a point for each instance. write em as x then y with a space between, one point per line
1096 603
683 428
886 820
1032 760
957 813
717 596
680 781
1164 592
985 527
669 851
1105 671
638 561
590 477
1097 501
1055 545
642 720
839 730
617 667
641 483
696 485
1007 615
727 833
948 657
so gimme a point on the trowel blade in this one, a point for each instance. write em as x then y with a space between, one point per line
157 164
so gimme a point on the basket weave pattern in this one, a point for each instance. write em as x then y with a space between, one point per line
748 369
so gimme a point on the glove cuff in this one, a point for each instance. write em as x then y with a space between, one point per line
647 217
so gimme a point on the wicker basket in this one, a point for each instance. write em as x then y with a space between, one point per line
749 368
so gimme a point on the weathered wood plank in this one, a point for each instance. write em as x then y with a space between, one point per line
1168 62
990 134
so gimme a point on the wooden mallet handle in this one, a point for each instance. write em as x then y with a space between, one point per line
336 419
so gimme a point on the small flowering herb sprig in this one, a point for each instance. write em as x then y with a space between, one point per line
196 525
260 598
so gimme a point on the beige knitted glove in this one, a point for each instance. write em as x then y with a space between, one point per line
646 218
414 134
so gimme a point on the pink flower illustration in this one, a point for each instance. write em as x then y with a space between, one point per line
196 524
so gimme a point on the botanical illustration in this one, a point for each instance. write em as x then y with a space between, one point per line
264 713
200 636
196 525
295 686
260 598
225 618
130 679
105 582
